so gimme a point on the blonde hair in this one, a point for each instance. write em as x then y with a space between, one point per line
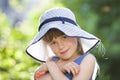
54 33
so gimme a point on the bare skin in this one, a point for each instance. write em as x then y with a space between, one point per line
60 68
65 48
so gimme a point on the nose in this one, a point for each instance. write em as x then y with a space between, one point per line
60 45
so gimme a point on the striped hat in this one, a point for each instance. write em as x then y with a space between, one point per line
64 20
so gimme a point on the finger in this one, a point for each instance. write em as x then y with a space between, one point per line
67 69
41 74
74 68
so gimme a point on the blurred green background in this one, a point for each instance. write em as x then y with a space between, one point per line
19 20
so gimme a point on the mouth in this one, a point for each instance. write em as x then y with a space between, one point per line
64 52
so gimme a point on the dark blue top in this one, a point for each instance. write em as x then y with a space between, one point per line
78 61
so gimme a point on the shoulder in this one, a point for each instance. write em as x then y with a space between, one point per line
88 61
90 56
87 66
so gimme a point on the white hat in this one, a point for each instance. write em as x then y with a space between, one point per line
64 20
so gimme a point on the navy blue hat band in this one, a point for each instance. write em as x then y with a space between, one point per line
63 19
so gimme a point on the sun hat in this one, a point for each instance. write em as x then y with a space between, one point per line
64 20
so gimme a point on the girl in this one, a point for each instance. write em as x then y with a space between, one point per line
64 47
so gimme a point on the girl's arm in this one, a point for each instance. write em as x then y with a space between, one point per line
69 67
86 68
56 69
40 71
55 72
45 77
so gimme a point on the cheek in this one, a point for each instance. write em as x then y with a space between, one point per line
72 42
73 45
55 50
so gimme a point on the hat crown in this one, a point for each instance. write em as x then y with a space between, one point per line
58 12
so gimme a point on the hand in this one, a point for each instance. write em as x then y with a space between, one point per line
70 67
43 68
40 72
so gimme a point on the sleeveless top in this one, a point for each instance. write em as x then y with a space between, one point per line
78 61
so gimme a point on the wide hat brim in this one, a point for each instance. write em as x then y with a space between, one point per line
40 51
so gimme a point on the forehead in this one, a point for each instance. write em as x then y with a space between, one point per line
52 33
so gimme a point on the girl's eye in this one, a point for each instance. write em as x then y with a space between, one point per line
64 36
53 43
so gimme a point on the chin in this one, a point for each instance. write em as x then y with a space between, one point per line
65 58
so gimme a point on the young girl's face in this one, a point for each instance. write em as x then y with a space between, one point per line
64 47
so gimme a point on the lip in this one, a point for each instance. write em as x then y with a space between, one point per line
64 52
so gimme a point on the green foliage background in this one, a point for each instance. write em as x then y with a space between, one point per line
99 17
